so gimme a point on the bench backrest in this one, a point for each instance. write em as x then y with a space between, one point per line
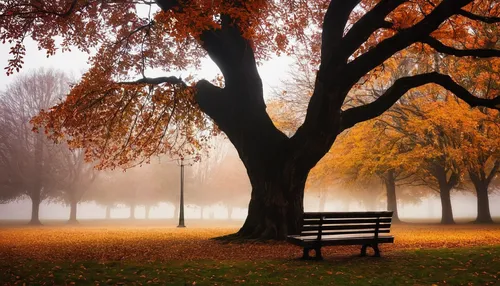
343 223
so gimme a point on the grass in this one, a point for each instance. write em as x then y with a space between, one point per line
110 255
459 266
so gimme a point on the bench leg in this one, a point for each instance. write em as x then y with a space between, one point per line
306 256
363 249
377 251
317 251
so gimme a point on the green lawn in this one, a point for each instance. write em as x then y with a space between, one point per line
457 266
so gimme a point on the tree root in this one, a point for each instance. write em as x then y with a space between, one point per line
259 235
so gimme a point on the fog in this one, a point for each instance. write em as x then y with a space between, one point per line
217 191
464 207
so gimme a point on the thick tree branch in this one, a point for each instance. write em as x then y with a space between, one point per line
358 114
368 24
166 5
441 48
212 101
493 172
388 47
156 81
336 18
489 20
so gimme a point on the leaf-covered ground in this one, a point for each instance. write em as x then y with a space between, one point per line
169 243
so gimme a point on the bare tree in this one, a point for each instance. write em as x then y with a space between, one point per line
74 179
28 158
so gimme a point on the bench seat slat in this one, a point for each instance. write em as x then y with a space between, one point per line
325 241
327 215
344 227
345 232
347 221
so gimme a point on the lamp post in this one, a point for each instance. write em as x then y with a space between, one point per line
181 208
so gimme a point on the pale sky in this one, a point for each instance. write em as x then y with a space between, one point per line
75 63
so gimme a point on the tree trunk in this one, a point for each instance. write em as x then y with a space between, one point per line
446 210
72 212
483 204
35 209
229 212
132 211
201 212
445 184
108 212
148 209
390 187
276 206
277 166
36 187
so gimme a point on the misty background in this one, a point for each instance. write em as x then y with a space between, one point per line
217 189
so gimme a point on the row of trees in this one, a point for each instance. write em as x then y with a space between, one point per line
40 169
218 179
410 146
31 165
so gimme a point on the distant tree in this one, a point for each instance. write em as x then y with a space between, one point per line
103 192
202 178
75 178
367 152
437 131
229 181
28 158
165 181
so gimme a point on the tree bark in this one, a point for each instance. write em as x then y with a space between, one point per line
446 209
445 186
483 205
390 187
108 212
276 205
72 212
35 209
481 183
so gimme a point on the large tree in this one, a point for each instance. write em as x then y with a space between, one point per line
120 119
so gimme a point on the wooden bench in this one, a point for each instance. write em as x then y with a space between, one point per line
343 228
